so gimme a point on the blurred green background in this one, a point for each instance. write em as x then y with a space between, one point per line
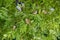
36 20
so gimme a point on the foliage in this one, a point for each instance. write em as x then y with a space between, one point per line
37 20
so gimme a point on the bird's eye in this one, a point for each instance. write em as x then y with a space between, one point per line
19 2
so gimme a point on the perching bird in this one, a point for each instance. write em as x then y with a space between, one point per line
19 5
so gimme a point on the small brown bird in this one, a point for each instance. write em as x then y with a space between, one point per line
44 11
27 21
35 12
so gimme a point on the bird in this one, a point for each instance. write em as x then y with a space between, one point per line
19 5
